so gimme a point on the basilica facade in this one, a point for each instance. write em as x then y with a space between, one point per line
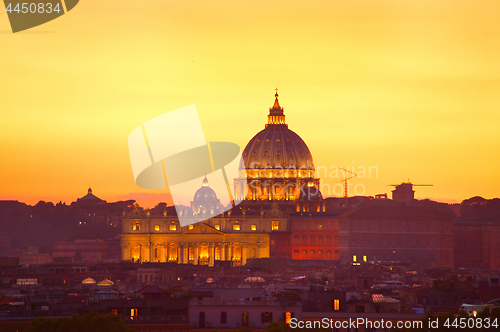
278 170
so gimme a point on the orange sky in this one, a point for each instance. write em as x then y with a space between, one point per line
412 87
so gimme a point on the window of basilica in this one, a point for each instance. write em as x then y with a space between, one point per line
275 225
172 253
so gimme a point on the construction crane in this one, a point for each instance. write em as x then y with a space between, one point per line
410 184
345 180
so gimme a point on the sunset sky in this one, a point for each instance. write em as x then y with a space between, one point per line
409 86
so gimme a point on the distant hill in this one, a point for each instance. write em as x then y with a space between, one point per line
480 209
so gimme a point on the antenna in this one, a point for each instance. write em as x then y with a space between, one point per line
411 184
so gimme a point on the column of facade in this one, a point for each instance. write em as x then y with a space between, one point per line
142 252
222 251
126 251
185 255
225 249
243 253
179 249
211 253
166 249
148 252
179 253
227 253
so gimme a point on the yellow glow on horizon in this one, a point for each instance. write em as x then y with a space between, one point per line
410 87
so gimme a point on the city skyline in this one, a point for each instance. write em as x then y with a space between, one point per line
406 87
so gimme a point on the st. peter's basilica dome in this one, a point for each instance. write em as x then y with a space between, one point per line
276 162
277 146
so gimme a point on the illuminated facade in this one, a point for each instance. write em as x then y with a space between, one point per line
232 237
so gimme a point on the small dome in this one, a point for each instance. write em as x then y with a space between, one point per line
205 193
205 200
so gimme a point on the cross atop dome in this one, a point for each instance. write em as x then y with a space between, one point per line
276 102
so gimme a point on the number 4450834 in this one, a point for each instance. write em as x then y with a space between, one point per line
33 8
471 323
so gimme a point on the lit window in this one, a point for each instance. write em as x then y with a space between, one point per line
173 227
364 258
157 228
190 226
336 304
275 225
253 227
217 253
28 281
136 226
288 317
236 227
114 311
320 227
217 227
354 258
